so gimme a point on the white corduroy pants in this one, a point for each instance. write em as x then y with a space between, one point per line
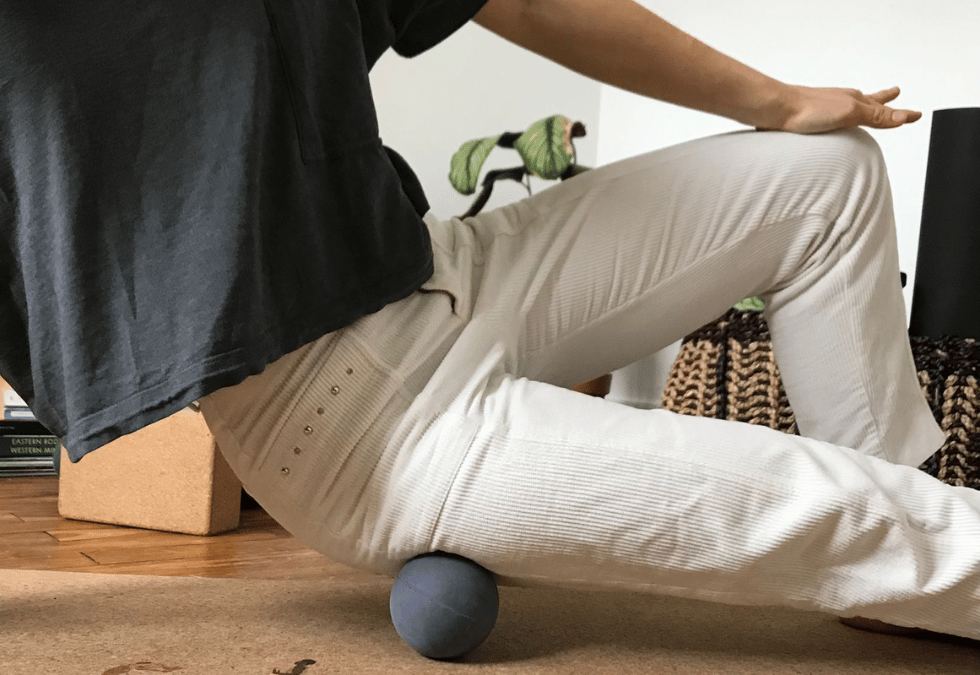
441 422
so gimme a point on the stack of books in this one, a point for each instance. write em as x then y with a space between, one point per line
27 448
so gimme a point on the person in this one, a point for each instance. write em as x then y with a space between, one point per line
197 206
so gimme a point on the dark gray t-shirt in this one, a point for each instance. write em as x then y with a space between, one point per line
190 190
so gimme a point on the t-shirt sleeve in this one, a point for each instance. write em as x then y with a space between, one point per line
432 22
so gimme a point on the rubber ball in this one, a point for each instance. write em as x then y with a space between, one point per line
443 605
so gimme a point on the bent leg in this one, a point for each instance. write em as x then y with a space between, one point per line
621 261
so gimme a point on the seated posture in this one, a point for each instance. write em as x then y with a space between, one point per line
195 205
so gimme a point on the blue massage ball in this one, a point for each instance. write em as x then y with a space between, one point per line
443 605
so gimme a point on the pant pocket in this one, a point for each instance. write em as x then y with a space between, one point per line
453 267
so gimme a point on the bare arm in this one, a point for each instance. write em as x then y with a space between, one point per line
621 43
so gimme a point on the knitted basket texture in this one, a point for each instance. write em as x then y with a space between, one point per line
727 370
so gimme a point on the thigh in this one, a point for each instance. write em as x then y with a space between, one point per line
617 263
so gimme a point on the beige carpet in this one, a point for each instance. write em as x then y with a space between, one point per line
88 624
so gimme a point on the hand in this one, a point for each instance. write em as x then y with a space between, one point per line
818 110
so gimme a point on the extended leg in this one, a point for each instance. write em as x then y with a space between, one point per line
561 489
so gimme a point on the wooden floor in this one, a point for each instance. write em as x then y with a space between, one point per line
33 536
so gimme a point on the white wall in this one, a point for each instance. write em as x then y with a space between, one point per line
928 49
475 85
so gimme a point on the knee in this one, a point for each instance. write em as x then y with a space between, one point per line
854 164
858 150
840 160
850 189
858 135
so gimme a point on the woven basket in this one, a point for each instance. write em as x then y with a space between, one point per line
727 370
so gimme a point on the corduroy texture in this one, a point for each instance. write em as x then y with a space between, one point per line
727 369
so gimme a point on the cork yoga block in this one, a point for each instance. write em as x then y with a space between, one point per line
168 476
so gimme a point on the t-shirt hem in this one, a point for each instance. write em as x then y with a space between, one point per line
213 373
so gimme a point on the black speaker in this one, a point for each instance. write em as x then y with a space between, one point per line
946 294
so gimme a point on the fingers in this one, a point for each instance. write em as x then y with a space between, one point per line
884 117
911 115
825 109
885 95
